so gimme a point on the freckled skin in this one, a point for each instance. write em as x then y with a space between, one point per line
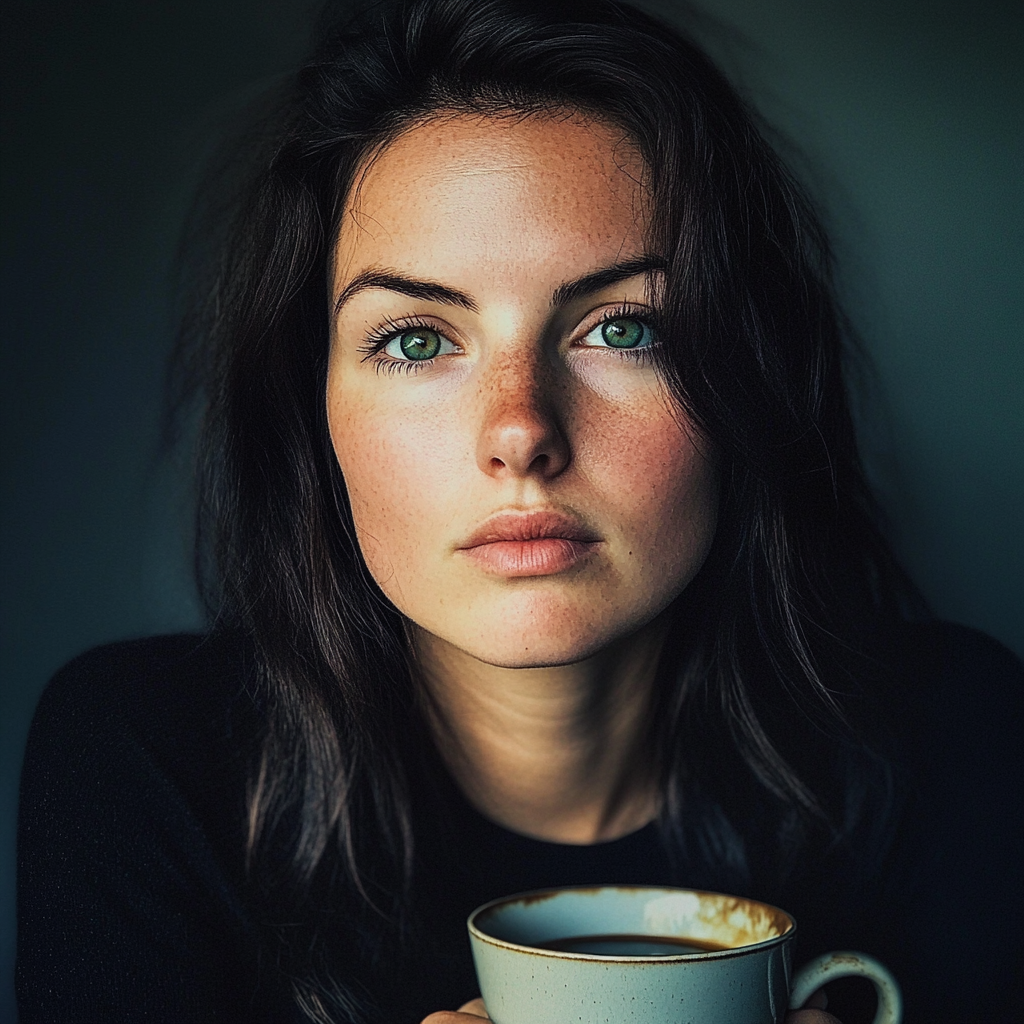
521 416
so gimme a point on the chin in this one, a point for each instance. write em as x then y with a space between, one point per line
542 648
541 655
528 629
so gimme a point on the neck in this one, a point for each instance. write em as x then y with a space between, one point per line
559 753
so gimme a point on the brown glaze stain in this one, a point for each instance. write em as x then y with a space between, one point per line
746 921
735 922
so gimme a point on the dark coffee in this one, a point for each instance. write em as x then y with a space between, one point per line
631 945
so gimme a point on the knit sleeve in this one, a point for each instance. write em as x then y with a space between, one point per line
127 910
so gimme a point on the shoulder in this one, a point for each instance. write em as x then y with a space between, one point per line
161 718
145 688
955 711
141 670
131 838
958 693
960 840
945 649
950 718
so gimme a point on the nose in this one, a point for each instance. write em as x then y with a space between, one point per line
522 433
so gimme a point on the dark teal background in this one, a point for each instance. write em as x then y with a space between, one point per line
903 115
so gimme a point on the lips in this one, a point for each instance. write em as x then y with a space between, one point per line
540 543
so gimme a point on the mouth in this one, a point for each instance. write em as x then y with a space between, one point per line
540 543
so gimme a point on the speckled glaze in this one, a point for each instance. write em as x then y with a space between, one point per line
748 984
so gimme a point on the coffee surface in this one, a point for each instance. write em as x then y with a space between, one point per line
631 945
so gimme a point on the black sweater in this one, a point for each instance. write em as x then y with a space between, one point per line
134 904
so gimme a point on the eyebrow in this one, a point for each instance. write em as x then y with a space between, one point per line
606 277
393 281
433 291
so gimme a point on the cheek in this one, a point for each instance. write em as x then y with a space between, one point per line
684 510
641 458
397 467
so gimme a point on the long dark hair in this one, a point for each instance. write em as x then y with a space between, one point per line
763 665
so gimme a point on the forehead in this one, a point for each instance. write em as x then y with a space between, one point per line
490 189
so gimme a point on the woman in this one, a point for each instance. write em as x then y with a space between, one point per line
538 553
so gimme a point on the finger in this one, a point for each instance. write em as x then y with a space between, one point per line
469 1013
453 1017
810 1017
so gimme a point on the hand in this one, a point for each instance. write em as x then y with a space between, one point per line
812 1012
473 1012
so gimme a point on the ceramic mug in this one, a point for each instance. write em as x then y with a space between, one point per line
633 955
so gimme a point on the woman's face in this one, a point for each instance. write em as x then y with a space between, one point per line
522 484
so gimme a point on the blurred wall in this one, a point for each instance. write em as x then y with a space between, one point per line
903 115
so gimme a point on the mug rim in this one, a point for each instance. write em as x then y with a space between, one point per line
719 954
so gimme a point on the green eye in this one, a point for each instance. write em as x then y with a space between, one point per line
621 332
419 344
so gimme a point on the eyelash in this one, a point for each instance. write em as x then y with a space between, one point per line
378 339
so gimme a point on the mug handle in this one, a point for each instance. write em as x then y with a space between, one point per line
830 966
